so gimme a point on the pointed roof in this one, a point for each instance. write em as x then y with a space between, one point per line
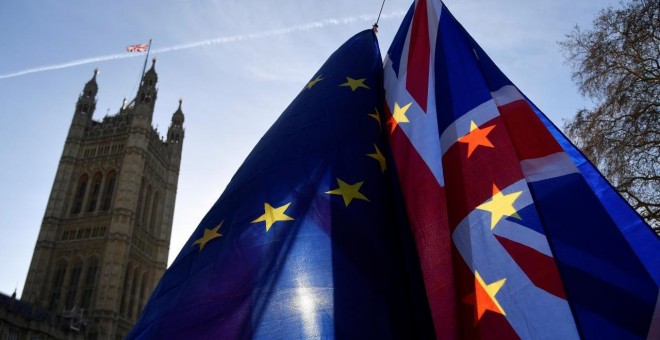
178 114
152 70
91 84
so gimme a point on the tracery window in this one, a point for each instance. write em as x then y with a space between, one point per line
73 285
56 288
109 190
154 213
96 189
80 194
90 283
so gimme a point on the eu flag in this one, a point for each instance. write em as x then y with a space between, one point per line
518 235
302 243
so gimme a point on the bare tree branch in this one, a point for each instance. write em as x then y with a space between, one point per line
617 63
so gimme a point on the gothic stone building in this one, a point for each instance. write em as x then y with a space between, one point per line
105 236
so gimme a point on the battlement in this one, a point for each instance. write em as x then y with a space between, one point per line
109 126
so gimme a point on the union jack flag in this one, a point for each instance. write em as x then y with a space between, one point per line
518 235
137 48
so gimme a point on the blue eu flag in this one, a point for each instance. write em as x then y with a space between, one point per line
303 243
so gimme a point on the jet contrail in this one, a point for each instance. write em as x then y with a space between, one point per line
216 41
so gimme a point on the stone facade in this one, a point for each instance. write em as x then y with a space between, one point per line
105 236
22 321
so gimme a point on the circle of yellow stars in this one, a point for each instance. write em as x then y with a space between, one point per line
349 192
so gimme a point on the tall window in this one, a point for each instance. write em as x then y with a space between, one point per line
96 189
138 212
73 285
134 287
154 214
109 190
145 208
143 292
58 279
79 194
125 293
90 283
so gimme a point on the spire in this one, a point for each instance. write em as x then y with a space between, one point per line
175 132
152 69
91 87
147 92
178 117
87 99
178 111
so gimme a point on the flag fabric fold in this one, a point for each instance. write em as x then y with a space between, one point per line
518 235
454 210
303 242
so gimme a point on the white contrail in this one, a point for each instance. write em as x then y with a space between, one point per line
216 41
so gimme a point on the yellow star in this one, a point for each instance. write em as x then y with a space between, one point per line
355 83
501 205
399 115
484 296
375 116
272 215
379 157
313 82
477 137
348 191
209 234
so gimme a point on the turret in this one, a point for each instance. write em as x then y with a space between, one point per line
175 132
148 91
87 99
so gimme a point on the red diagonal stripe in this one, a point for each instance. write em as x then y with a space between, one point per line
530 137
539 268
425 205
419 54
469 180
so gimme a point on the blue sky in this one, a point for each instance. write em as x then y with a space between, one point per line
234 85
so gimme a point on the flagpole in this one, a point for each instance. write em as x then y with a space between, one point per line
378 18
144 68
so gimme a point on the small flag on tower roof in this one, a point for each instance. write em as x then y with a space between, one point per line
137 48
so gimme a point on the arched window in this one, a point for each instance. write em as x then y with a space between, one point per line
134 287
58 280
109 190
73 285
90 283
145 208
96 189
79 194
138 211
125 293
154 213
143 292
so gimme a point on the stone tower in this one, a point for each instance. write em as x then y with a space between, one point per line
105 236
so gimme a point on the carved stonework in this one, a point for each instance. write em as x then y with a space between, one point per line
109 213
